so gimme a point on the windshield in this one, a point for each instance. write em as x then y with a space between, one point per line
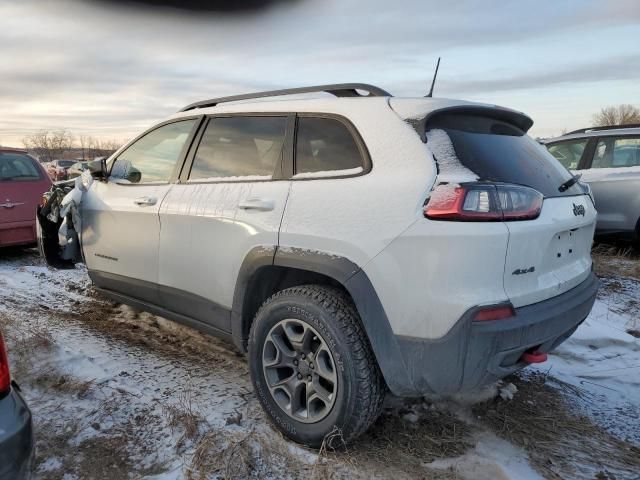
65 163
497 151
16 166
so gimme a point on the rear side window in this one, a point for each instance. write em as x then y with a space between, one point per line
325 147
568 153
18 167
248 147
497 151
616 153
153 157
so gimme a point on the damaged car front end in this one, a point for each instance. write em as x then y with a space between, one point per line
59 221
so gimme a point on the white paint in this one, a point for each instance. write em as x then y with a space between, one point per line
328 173
233 178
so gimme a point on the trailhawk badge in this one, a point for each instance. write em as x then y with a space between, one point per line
578 210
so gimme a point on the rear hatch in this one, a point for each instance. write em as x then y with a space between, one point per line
22 184
547 255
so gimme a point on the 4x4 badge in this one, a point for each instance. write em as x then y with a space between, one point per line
578 210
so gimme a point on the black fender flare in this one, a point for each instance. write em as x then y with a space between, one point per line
374 319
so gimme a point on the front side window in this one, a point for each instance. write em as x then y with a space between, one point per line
568 153
243 146
153 157
325 147
616 153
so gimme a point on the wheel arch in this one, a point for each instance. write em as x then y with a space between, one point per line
267 270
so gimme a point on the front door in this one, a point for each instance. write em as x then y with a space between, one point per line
121 225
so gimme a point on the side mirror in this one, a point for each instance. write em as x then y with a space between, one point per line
98 168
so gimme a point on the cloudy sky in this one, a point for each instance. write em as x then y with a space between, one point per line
111 70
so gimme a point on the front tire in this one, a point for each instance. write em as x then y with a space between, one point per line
312 366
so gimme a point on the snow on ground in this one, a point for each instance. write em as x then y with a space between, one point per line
603 359
118 394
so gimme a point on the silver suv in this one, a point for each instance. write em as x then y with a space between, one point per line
609 160
348 244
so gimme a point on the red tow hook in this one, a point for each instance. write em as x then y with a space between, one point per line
534 357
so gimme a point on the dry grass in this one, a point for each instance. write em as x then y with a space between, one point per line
403 443
560 442
613 260
183 415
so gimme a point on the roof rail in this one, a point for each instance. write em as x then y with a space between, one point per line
607 127
337 89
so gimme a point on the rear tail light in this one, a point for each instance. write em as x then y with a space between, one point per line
5 377
496 312
483 202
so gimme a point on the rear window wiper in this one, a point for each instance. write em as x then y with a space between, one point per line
570 183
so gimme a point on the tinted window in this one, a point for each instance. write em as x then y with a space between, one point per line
616 153
325 145
239 147
16 166
500 152
568 153
153 157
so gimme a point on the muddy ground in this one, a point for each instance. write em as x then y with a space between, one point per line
117 393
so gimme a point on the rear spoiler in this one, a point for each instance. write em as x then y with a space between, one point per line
517 119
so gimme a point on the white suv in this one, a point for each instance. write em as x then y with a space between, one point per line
350 245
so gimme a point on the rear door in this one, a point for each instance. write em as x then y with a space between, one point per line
120 217
545 256
230 200
614 176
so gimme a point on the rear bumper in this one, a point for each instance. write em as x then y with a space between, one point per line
16 437
474 354
17 233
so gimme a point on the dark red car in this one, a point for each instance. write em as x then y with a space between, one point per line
22 182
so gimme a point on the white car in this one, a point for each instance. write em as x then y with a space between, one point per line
350 245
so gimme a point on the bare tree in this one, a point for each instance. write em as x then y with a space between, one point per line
617 115
49 145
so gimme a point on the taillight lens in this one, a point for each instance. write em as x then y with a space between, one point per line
478 202
5 376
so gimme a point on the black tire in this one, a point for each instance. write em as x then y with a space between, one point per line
360 386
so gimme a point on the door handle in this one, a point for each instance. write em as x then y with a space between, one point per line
261 204
143 201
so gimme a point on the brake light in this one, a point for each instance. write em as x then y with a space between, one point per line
5 376
494 313
488 202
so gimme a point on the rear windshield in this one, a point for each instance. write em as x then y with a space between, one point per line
16 166
65 163
499 152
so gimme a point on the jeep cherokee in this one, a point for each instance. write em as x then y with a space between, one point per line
349 245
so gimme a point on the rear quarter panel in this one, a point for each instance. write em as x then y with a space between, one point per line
357 217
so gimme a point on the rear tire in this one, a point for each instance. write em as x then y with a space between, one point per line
312 366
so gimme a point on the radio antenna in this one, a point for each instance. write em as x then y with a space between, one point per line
433 82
